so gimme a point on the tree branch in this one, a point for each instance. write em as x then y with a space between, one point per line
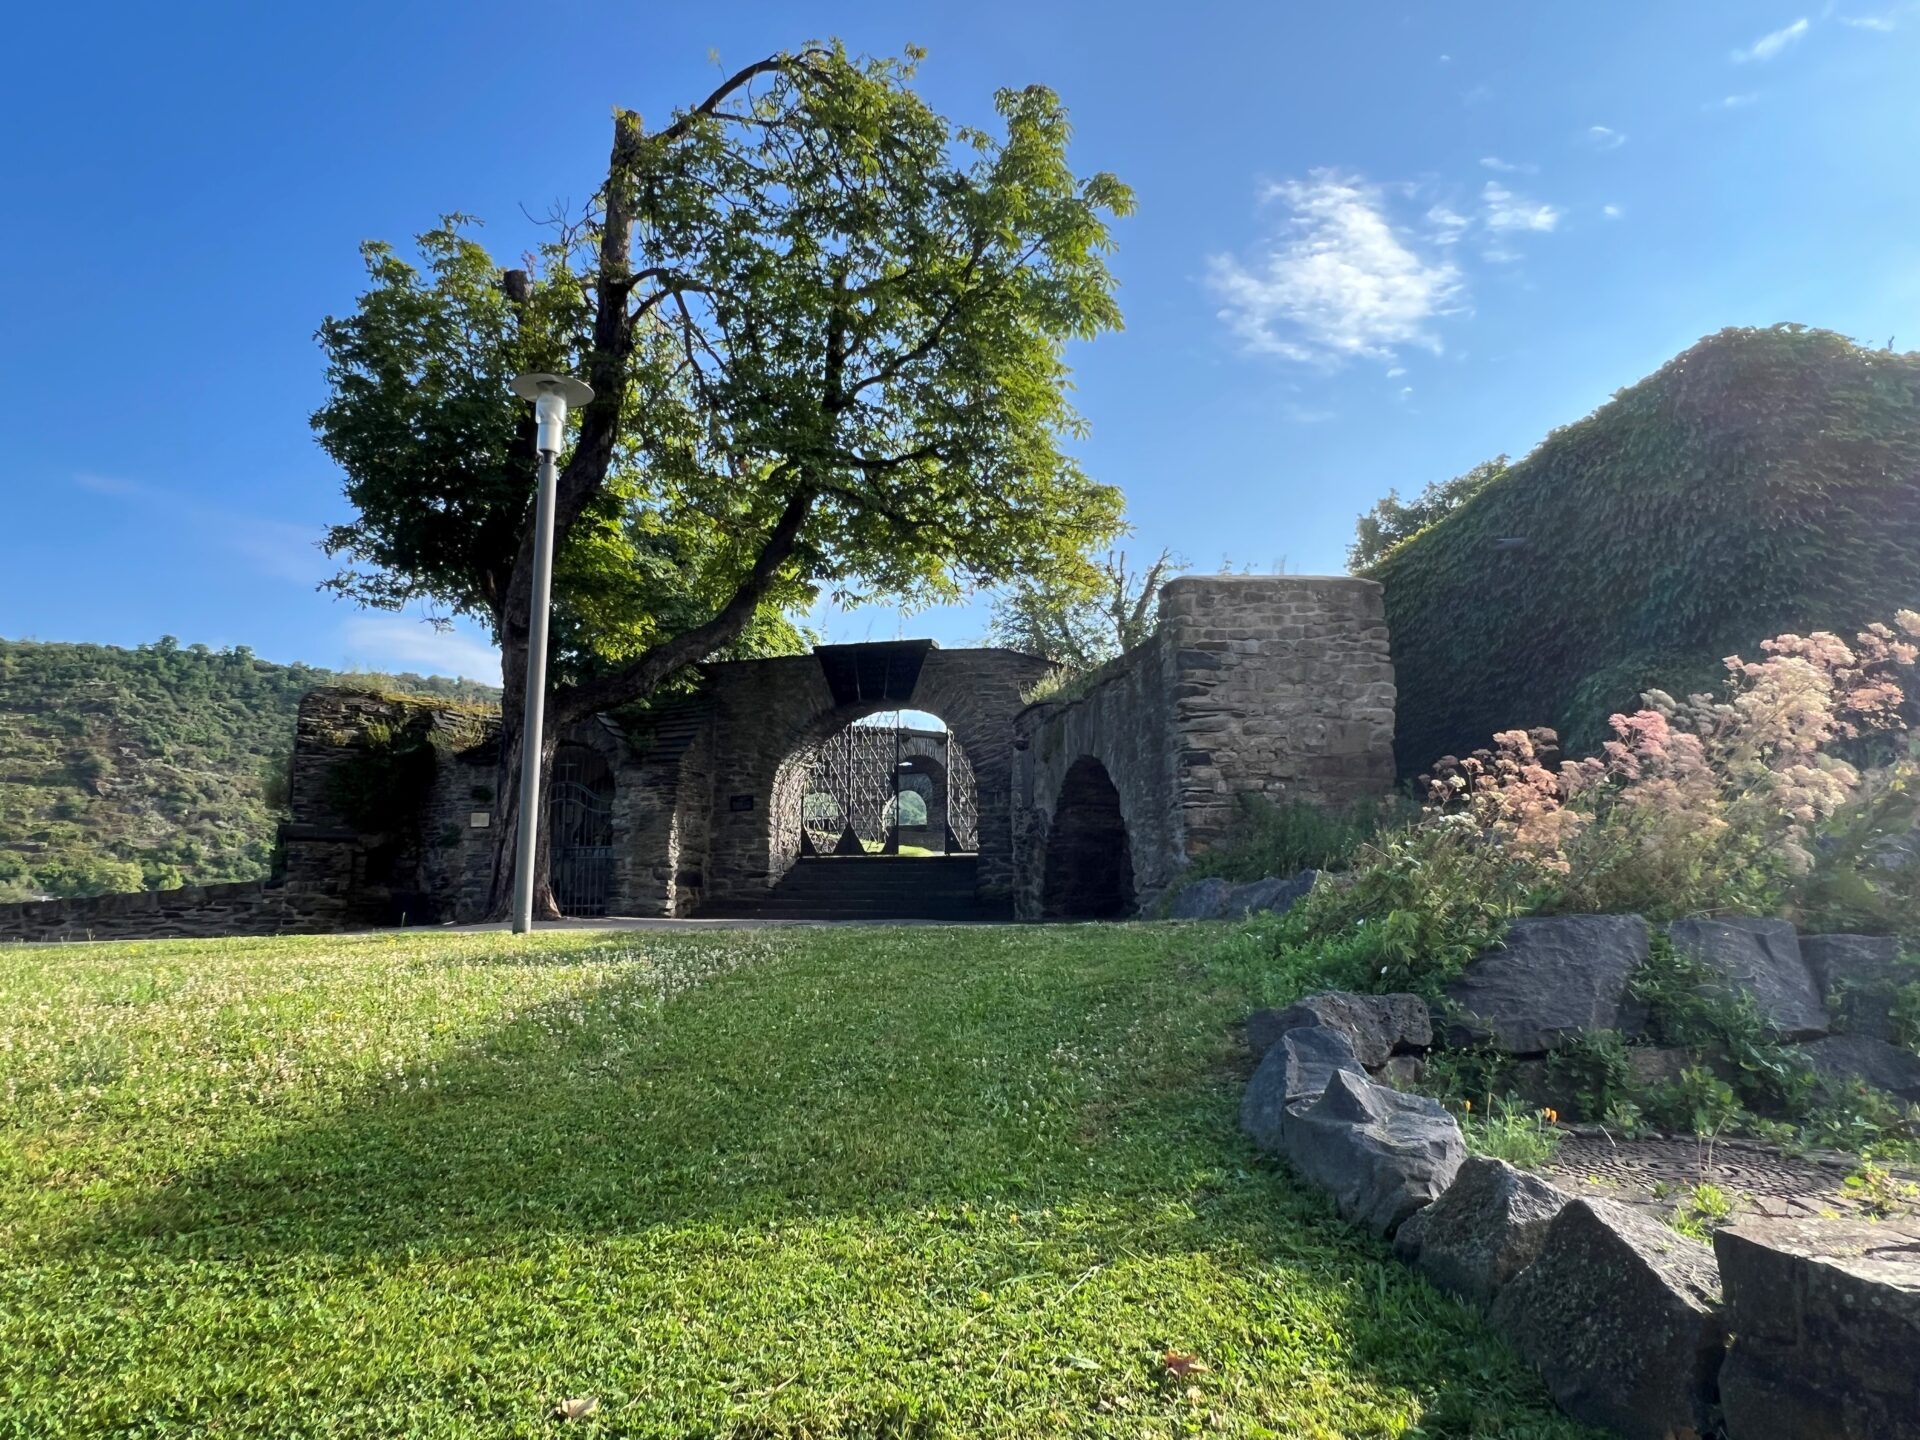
658 662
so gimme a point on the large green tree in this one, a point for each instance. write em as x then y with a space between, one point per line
825 330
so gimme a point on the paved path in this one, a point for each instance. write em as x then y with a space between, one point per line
650 922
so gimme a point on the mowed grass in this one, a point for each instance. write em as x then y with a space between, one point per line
916 1181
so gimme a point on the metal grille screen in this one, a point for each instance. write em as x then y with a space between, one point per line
849 781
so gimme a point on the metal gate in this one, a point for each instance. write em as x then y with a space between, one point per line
863 783
580 820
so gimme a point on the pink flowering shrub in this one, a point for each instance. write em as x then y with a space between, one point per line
1708 804
1754 800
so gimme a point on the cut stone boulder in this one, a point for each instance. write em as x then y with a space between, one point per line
1760 958
1273 895
1486 1229
1380 1154
1861 1057
1860 977
1620 1315
1200 900
1825 1320
1295 1072
1217 899
1378 1026
1556 977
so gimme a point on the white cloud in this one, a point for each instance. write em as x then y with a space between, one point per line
1771 44
1879 23
1508 211
1508 167
1306 415
1448 224
398 642
1733 102
1396 372
1338 280
277 549
1604 137
1612 212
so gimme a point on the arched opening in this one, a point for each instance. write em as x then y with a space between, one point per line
580 830
894 783
1088 872
872 815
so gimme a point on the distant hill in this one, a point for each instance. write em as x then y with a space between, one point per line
150 768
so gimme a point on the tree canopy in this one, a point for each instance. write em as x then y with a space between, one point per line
1082 622
826 331
1392 519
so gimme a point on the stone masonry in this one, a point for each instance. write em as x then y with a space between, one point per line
1271 686
1276 686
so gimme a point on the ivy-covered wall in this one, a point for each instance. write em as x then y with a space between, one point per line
1763 481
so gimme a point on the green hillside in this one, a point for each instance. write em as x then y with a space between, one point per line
1763 481
149 768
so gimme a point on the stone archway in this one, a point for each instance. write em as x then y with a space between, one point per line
1088 872
834 793
763 712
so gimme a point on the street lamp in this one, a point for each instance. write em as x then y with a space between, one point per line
551 395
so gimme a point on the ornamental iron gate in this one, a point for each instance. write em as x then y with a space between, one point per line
580 817
869 788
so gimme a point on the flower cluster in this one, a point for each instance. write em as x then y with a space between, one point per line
1694 803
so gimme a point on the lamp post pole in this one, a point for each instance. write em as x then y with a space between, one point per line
551 395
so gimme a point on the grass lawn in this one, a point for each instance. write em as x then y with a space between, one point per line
920 1181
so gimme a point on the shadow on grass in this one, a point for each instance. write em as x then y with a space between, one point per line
960 1080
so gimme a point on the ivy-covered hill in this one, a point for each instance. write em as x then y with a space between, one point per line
1763 481
149 768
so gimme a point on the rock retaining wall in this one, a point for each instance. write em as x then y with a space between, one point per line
1781 1328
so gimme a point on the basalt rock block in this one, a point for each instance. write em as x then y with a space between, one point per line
1554 978
1201 900
1861 977
1486 1229
1378 1026
1380 1154
1620 1314
1295 1072
1760 958
1824 1320
1845 1058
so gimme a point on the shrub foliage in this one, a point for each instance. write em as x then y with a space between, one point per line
1765 480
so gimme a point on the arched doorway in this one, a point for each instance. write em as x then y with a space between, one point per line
873 815
882 785
580 824
1088 872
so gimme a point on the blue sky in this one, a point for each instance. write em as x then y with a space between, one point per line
1375 244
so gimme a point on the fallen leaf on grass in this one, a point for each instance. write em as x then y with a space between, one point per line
576 1409
1180 1366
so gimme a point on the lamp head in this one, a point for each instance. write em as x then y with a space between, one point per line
551 395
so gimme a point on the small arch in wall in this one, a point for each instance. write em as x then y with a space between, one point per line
1088 872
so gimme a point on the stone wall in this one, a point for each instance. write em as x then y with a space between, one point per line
1276 686
1279 686
248 907
766 714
